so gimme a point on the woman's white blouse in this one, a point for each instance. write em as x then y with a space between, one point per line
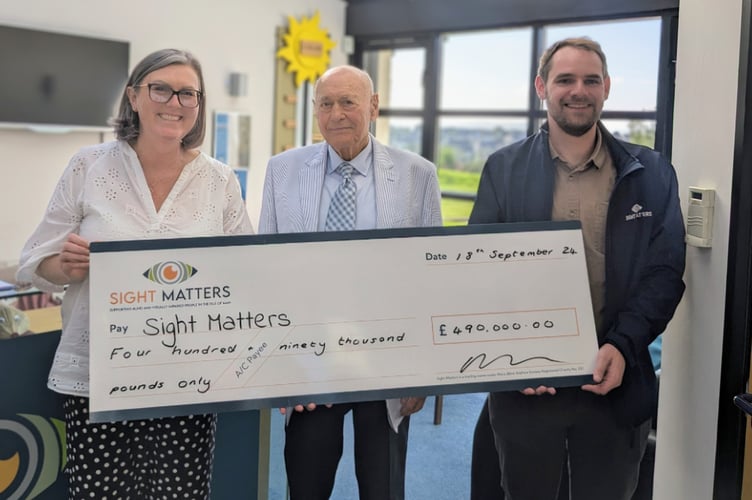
103 196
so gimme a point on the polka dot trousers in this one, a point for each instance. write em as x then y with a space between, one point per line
163 458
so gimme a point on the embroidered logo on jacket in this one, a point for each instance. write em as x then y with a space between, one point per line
638 213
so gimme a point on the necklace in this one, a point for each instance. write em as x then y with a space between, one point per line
160 187
161 173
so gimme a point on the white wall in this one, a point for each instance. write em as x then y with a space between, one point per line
703 144
226 36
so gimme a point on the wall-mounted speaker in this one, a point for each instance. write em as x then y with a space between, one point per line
238 85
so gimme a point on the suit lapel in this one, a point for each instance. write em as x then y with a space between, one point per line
311 182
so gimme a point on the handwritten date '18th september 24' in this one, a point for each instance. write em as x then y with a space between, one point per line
499 255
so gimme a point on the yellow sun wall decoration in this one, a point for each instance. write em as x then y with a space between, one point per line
306 49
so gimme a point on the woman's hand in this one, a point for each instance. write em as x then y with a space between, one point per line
74 259
71 265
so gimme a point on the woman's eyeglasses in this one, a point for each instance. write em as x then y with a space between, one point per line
161 93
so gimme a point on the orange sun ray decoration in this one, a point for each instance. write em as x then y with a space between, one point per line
306 49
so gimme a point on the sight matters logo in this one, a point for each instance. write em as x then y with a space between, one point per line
168 273
171 272
638 213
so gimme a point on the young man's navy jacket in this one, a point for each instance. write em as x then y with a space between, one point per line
644 246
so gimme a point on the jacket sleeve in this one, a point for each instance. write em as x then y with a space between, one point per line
487 207
652 300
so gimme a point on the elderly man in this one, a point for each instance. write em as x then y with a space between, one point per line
350 181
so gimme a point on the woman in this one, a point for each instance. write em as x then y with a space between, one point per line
152 182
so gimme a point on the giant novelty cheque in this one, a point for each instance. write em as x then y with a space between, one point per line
214 324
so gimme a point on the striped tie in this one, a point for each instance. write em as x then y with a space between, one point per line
341 215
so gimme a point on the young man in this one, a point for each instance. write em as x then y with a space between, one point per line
626 199
350 181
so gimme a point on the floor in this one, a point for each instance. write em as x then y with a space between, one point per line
438 457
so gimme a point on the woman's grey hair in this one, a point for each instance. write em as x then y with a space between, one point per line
126 123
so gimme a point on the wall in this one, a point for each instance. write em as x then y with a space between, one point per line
703 144
226 36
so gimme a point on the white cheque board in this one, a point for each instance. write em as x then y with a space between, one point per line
214 324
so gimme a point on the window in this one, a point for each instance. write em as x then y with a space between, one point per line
488 70
402 133
398 78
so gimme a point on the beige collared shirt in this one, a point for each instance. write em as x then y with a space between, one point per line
582 192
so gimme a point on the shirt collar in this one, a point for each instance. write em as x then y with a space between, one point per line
361 163
597 157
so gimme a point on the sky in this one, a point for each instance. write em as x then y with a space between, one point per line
490 69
